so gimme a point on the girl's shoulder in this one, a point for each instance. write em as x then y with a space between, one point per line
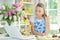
47 18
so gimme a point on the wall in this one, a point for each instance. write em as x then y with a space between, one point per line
8 2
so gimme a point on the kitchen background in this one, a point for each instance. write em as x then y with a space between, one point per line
52 8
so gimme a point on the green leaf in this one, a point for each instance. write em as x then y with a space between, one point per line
20 13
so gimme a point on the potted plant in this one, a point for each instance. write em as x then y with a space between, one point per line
10 14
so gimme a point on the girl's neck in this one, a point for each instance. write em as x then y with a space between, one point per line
39 17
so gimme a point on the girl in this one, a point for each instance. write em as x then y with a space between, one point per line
40 23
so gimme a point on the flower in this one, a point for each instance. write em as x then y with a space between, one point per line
12 11
15 18
18 9
0 9
9 13
15 5
6 13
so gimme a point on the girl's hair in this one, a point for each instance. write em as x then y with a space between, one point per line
42 6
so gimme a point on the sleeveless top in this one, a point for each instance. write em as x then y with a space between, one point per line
39 24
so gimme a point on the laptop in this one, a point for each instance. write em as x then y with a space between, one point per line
15 33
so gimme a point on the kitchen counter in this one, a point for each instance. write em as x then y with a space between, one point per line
37 38
7 38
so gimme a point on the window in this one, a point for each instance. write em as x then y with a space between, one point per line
51 10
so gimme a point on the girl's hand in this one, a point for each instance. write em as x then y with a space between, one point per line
44 34
47 19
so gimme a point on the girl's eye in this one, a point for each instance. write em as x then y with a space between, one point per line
37 11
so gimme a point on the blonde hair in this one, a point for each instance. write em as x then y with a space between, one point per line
42 6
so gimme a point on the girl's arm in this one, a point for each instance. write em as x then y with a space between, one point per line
34 32
47 26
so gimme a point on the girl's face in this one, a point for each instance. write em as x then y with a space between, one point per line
39 11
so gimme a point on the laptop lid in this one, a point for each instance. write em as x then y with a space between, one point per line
15 33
